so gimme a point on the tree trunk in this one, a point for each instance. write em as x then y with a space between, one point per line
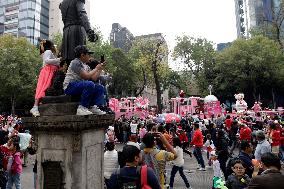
144 84
156 77
158 87
13 104
273 98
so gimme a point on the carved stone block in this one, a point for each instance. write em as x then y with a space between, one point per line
58 109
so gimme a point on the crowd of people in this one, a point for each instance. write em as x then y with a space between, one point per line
14 144
244 151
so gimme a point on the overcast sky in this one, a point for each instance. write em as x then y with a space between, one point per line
211 19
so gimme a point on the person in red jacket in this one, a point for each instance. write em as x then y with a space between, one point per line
228 123
184 140
245 133
274 137
197 141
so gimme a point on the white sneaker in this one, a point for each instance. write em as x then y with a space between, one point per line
199 166
201 169
81 110
96 110
35 111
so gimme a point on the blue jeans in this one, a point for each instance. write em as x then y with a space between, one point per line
14 179
176 169
125 136
91 93
198 155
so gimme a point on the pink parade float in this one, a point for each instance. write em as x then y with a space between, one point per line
130 106
195 105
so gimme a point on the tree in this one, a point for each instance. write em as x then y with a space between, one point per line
123 75
19 67
250 66
151 54
198 55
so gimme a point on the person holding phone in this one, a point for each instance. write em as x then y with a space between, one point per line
77 82
155 158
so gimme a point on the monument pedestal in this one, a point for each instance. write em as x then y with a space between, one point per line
69 150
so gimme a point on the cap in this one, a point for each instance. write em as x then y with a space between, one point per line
82 49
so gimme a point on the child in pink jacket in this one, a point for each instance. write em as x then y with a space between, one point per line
14 167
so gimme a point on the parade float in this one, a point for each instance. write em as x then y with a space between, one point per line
195 105
241 105
130 106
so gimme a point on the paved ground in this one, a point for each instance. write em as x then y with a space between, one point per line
197 179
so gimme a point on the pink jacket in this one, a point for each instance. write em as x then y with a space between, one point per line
17 163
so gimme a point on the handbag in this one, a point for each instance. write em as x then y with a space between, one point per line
144 184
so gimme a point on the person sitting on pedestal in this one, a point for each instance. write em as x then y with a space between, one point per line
77 82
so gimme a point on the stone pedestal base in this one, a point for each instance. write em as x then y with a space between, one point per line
75 144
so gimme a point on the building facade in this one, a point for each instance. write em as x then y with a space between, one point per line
32 19
121 37
55 20
157 37
25 18
222 46
254 13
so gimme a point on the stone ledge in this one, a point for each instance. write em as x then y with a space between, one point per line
58 109
56 99
72 123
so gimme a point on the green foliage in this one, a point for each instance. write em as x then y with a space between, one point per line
144 53
19 67
151 54
57 40
198 55
123 75
250 66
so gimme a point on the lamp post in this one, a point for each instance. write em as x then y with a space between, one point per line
210 87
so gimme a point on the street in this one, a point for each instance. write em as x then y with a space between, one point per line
197 179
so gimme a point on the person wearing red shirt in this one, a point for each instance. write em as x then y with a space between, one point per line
274 137
197 141
245 133
184 141
228 122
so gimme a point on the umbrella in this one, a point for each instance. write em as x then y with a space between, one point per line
160 118
170 117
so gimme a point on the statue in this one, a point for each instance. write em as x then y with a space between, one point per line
76 27
75 32
241 104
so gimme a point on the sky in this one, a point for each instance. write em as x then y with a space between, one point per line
210 19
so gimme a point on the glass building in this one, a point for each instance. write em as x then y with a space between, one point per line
255 13
25 18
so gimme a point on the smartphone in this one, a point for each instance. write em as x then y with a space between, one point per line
102 58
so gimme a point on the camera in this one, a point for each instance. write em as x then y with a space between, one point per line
92 37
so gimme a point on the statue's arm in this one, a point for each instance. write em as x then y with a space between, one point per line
83 15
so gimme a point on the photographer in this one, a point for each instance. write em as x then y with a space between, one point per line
151 153
76 82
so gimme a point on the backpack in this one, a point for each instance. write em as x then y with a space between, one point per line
133 182
144 183
150 160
